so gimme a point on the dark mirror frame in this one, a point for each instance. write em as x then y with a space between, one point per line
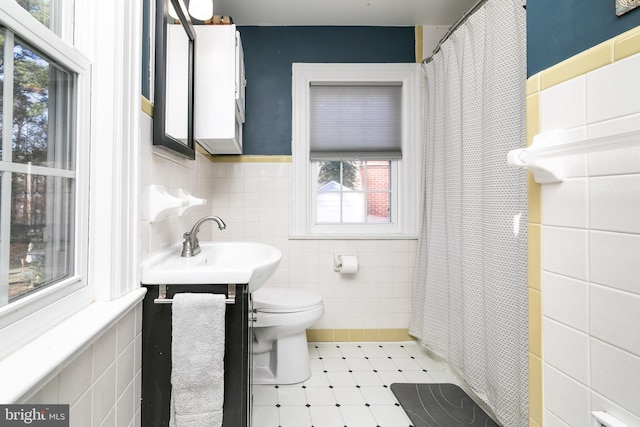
160 136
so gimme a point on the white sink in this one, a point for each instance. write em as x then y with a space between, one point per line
219 263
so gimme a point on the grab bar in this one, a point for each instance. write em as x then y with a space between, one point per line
162 295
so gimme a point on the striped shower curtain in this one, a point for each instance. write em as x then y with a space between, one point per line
470 287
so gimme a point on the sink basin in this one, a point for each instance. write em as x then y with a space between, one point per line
219 263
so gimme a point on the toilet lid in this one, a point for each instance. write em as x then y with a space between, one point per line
284 299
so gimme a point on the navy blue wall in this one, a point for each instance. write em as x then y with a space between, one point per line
269 53
559 29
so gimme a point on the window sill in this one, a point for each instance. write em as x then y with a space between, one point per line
25 371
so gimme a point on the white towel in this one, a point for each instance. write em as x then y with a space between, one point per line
197 353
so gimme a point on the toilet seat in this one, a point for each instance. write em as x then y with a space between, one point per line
285 300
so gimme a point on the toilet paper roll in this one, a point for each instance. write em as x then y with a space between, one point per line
348 264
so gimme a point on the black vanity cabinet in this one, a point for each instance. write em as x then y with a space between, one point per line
156 356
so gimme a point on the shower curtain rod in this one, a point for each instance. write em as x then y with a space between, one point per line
454 27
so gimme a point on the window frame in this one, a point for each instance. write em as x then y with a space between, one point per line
404 223
25 318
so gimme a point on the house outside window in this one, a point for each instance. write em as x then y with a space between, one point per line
355 150
353 191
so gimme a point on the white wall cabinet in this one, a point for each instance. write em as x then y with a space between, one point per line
219 89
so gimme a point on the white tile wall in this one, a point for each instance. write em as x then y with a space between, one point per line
102 385
611 202
624 124
558 338
162 167
566 398
614 260
550 420
255 201
591 255
566 300
614 317
614 375
564 251
566 203
564 105
609 94
616 162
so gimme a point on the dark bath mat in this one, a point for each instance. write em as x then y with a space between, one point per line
440 405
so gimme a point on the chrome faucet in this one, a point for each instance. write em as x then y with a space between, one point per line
190 245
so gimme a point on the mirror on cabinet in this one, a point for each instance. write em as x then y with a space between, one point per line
174 78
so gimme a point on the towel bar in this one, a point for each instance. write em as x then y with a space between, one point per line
162 295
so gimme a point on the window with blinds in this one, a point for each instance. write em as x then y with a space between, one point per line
361 121
355 149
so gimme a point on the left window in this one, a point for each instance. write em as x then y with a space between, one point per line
43 161
38 169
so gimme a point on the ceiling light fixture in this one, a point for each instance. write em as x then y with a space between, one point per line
201 9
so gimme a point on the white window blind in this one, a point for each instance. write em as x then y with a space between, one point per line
361 121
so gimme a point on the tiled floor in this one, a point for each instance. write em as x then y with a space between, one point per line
349 386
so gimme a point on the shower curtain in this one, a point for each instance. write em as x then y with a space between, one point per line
470 287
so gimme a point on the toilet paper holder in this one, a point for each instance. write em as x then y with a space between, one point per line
338 262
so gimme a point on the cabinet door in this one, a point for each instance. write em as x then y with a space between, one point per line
218 125
241 82
157 362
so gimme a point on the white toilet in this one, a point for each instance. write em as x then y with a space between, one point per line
282 315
